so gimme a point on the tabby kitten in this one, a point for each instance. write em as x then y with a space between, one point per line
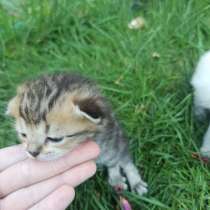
55 113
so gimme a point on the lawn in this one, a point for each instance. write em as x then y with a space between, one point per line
151 96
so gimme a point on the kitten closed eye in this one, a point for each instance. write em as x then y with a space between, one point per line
69 136
23 135
55 139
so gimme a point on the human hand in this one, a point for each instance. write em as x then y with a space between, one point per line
34 185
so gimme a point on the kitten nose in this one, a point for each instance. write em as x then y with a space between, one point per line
34 153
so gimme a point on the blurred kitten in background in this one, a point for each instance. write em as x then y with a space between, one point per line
201 84
55 113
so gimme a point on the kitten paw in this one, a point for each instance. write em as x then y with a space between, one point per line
205 152
121 187
118 183
140 188
200 113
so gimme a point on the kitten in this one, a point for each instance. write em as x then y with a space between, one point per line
55 113
201 84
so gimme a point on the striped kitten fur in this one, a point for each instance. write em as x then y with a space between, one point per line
55 113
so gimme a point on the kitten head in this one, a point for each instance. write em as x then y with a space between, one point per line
54 114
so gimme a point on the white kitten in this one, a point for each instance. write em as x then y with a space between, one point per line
201 84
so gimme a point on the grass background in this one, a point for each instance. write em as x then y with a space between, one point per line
152 97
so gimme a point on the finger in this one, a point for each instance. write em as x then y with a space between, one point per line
72 177
30 171
58 200
11 155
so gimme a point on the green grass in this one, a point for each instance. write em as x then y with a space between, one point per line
152 97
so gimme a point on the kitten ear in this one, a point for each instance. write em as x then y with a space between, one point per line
13 107
90 108
14 103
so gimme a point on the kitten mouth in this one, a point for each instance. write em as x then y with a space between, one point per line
30 156
45 157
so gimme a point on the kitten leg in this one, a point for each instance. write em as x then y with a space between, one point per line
205 149
200 112
134 179
116 179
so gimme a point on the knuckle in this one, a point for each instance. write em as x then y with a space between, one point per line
92 166
25 171
1 191
2 205
72 191
98 150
